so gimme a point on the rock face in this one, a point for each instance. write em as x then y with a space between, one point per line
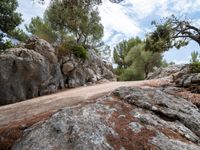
180 75
190 80
77 72
130 118
27 73
168 71
34 70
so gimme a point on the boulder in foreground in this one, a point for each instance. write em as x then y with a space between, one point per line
130 118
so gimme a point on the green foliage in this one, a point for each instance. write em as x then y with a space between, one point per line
195 67
77 17
42 29
130 74
69 47
164 63
121 50
195 63
65 46
80 51
5 45
172 63
143 61
160 40
133 42
171 33
18 34
63 49
91 2
9 19
194 57
134 63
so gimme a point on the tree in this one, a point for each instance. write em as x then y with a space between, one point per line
9 19
121 50
143 61
5 45
42 29
94 2
77 17
166 64
18 34
194 57
171 33
134 63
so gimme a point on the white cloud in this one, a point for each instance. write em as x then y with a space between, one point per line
123 20
162 8
185 6
196 22
132 18
115 19
142 8
31 9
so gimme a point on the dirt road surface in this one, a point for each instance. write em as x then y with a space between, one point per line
10 114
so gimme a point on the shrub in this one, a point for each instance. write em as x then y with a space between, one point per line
5 45
63 50
118 71
130 74
80 51
67 48
195 67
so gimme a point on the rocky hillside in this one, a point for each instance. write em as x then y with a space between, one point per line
154 115
130 118
157 115
34 70
180 75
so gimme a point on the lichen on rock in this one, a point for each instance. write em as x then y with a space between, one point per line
128 118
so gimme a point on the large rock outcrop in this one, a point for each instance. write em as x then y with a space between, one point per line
190 80
33 70
77 72
27 73
168 72
180 75
131 118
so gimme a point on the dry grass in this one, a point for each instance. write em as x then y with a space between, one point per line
194 98
126 137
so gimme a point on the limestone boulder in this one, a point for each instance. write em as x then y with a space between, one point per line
29 72
170 72
129 118
78 72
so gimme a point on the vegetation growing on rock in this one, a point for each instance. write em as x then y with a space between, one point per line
42 29
195 62
79 25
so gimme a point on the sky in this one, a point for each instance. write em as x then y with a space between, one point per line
132 18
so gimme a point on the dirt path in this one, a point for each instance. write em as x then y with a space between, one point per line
31 108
